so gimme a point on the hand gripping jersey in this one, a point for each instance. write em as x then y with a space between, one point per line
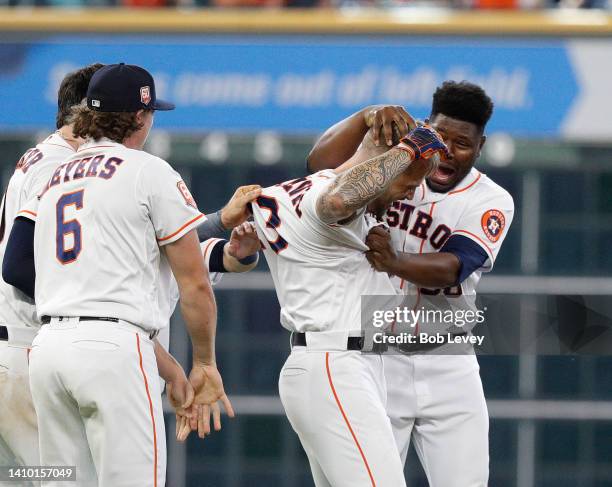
478 209
101 219
319 270
31 174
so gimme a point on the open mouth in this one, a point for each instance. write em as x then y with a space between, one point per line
443 174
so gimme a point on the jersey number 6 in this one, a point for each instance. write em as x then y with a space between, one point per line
70 227
273 222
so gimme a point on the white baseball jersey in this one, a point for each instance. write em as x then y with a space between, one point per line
319 270
31 174
438 401
478 209
99 225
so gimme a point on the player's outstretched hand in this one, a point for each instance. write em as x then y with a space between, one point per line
237 209
208 386
389 122
181 395
381 256
244 241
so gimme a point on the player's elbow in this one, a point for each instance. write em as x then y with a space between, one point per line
311 164
9 272
448 273
315 162
196 291
448 279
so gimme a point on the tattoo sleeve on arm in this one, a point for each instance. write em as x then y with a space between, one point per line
359 185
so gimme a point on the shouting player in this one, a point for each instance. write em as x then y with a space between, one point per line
101 224
313 231
18 321
442 240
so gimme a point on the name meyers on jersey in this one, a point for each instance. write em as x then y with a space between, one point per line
86 167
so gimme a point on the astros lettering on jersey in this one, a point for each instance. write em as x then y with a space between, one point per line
478 209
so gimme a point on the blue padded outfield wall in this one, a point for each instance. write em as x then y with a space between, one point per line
305 83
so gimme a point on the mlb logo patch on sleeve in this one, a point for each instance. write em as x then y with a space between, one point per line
145 95
493 223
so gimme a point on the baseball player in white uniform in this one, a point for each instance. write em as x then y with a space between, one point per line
313 231
18 321
101 224
440 242
17 310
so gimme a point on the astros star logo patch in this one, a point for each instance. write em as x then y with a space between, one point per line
493 223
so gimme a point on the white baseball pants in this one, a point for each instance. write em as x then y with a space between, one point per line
334 401
18 429
438 401
96 392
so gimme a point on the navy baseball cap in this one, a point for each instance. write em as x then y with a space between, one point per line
123 88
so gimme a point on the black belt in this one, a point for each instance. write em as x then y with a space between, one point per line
3 333
47 319
353 343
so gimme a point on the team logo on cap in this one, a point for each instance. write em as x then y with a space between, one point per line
95 103
145 95
493 223
182 187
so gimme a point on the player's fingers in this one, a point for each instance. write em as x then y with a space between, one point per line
371 258
189 395
228 406
251 195
388 130
193 419
201 428
204 421
216 412
374 260
378 230
179 427
376 126
403 126
183 429
243 190
408 119
376 242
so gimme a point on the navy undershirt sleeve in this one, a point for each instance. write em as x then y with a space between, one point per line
215 261
212 227
471 255
18 264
